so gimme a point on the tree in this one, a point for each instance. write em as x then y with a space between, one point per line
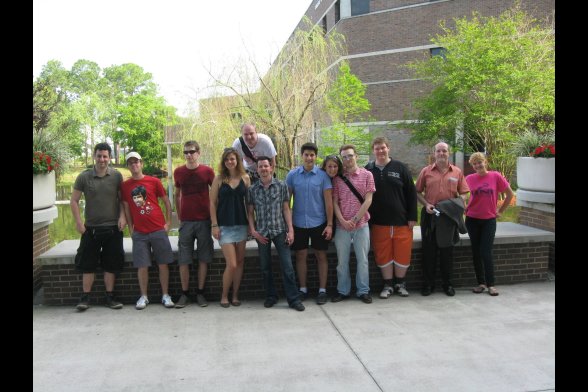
495 80
346 103
288 100
142 121
86 104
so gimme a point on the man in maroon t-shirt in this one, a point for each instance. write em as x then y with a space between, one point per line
192 182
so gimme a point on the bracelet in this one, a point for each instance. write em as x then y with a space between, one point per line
330 225
214 225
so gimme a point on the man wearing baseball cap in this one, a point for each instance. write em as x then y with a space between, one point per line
148 227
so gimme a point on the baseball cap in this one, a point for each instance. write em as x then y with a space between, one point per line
133 155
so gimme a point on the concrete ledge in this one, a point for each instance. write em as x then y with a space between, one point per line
521 254
42 218
506 233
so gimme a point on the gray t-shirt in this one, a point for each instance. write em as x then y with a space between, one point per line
101 194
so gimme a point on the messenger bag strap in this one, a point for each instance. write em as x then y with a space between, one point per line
246 149
355 192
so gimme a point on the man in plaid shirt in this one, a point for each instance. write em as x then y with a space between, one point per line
270 220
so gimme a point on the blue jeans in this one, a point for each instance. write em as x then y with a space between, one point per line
265 260
361 246
482 233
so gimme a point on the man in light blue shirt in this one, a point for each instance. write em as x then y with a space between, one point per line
312 217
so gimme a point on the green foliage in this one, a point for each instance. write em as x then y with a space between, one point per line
346 103
496 81
86 105
48 154
142 121
528 141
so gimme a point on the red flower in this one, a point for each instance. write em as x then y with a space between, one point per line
43 163
544 151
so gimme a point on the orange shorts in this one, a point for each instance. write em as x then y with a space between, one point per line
391 244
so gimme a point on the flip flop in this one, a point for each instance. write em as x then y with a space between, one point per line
236 302
225 304
492 291
479 289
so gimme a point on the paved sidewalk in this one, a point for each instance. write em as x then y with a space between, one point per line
470 342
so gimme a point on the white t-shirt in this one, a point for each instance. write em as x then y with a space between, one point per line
263 147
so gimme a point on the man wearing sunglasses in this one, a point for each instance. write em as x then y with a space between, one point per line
192 182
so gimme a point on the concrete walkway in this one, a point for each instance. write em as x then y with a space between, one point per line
464 343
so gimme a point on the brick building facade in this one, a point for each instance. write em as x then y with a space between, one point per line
383 35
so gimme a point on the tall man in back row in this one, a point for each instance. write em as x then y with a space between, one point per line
252 145
393 214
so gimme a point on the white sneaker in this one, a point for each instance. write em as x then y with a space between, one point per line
386 292
400 289
167 301
142 303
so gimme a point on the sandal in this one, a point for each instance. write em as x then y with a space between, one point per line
492 291
225 304
479 289
236 302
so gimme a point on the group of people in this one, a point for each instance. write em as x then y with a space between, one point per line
373 206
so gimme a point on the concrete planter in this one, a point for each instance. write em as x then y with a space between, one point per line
43 190
536 174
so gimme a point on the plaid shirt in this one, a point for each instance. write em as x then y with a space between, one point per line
269 204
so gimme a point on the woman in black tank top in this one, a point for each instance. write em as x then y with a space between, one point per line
228 215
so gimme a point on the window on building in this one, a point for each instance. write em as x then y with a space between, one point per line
438 52
360 7
337 11
324 24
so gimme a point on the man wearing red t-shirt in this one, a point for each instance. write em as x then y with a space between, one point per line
148 227
192 182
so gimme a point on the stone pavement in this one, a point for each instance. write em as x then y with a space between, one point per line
470 342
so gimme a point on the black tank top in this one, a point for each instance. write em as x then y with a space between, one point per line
231 205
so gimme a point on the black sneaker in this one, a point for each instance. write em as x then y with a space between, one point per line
112 303
182 301
270 301
321 298
84 302
339 297
302 295
298 306
366 298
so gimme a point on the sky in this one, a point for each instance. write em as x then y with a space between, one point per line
175 40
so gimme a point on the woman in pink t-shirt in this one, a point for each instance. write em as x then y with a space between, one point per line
481 214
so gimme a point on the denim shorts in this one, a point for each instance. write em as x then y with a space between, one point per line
232 234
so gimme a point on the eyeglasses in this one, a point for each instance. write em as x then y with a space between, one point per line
190 152
348 157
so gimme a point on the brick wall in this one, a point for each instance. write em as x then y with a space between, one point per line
537 219
515 263
40 245
540 220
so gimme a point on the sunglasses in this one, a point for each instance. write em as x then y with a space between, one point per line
335 157
229 149
190 152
